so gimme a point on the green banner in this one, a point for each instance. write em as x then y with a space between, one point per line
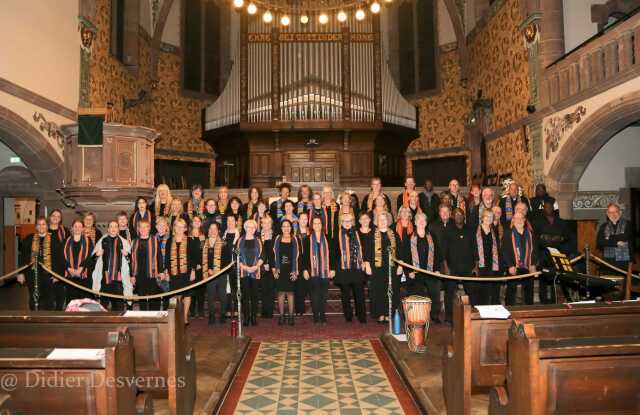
90 130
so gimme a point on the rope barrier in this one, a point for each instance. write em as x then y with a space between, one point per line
137 297
613 267
14 272
457 278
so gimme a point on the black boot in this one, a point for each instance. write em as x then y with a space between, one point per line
281 320
246 320
254 320
291 320
212 319
223 319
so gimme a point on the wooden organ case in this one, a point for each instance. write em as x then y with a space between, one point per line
309 103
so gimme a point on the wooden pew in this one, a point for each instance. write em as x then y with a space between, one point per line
476 360
100 385
585 375
164 364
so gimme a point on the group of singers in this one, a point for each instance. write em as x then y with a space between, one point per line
291 249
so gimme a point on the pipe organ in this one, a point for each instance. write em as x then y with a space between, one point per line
325 82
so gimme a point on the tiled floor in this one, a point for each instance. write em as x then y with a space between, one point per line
318 377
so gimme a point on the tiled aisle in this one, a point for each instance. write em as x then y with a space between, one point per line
319 377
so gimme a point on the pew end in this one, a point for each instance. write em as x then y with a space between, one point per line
144 404
498 400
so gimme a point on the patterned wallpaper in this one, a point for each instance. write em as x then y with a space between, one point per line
174 116
498 66
442 116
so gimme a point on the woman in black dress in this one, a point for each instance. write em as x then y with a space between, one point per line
250 251
319 267
196 240
140 211
183 260
77 254
267 283
383 238
487 253
285 269
350 273
301 286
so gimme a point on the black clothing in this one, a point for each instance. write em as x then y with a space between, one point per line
146 284
85 280
549 234
503 203
423 284
58 238
511 259
267 282
608 242
37 275
460 260
429 205
302 287
284 282
537 205
365 203
209 218
487 293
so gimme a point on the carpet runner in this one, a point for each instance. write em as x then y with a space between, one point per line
318 377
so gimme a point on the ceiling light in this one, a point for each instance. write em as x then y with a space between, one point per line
251 8
238 3
360 14
342 16
375 7
323 18
267 17
284 21
304 19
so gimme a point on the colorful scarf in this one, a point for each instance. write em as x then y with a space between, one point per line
91 233
405 198
152 256
516 249
333 208
508 207
377 247
222 207
348 246
415 257
324 217
218 244
249 212
303 206
199 209
244 258
495 266
620 253
461 203
320 260
46 250
179 257
112 273
295 250
86 246
400 229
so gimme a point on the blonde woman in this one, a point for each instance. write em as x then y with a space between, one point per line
183 261
162 201
250 251
176 211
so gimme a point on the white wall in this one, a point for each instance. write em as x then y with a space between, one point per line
607 169
40 47
577 22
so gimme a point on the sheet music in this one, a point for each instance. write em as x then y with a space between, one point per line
76 354
137 313
400 337
493 312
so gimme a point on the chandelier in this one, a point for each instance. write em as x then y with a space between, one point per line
323 10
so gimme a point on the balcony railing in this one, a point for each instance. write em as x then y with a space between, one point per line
607 59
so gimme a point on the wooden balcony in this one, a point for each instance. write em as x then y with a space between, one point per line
607 59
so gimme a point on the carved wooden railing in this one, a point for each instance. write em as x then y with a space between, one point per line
605 60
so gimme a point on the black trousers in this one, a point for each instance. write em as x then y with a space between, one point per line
74 293
547 291
267 293
148 286
45 291
114 287
319 291
527 286
250 289
59 294
351 283
450 289
217 289
429 287
232 298
301 291
379 300
197 296
488 293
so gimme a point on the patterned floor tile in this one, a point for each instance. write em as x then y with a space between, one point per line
318 377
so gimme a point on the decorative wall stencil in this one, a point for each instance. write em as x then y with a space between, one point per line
87 35
556 128
595 200
52 129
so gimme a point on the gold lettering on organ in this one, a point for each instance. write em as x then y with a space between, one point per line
309 37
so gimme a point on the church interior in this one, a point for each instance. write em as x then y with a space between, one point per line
320 207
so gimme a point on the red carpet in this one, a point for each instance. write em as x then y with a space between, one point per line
304 329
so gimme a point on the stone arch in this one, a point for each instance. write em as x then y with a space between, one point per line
33 148
585 141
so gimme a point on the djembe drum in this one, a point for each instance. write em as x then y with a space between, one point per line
416 321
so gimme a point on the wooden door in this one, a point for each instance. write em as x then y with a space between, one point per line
312 167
